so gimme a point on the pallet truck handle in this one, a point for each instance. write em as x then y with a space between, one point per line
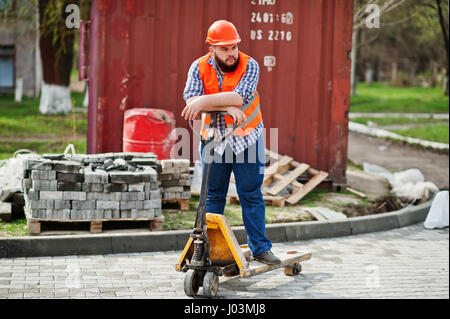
211 113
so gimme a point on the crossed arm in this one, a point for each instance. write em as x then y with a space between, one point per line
225 101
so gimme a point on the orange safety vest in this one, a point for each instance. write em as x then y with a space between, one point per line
230 81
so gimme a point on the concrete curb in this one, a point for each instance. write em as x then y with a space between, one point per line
378 132
102 244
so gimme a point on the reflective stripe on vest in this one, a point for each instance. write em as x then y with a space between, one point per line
251 109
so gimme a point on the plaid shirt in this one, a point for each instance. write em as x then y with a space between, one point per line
245 88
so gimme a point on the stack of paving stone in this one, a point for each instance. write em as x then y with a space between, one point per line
175 181
92 187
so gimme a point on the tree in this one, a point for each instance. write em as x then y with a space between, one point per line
444 27
56 43
364 11
408 39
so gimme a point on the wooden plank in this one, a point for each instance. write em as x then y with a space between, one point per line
360 194
232 200
183 203
275 168
324 213
277 201
272 155
288 179
316 215
294 183
294 164
288 258
157 223
309 186
96 227
34 227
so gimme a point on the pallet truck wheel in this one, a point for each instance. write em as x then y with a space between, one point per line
293 270
192 282
210 284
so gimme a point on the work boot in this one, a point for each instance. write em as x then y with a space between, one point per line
268 258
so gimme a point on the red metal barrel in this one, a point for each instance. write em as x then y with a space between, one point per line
148 130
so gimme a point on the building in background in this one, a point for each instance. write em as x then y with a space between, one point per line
19 47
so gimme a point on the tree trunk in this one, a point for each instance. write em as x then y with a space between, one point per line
434 73
394 72
444 34
57 59
412 73
353 79
369 74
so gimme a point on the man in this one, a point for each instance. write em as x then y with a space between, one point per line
226 80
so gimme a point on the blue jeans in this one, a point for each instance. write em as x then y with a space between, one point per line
248 168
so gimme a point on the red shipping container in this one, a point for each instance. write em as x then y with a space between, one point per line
141 51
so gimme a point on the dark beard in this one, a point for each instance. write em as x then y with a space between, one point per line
227 68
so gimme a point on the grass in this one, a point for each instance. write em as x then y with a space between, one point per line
7 149
385 121
15 228
434 133
174 219
23 127
177 220
380 97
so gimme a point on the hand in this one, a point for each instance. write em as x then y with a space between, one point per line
238 116
191 110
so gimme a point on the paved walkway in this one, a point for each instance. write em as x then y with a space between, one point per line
410 262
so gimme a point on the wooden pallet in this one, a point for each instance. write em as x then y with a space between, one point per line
183 203
277 201
283 172
291 170
96 225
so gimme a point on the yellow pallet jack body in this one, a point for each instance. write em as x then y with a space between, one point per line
213 250
229 258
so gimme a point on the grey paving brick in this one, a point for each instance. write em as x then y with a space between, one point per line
114 187
141 213
139 187
40 185
86 204
70 177
125 177
107 213
129 204
374 265
136 196
66 166
43 175
101 204
125 213
154 203
97 176
50 195
74 195
62 204
61 214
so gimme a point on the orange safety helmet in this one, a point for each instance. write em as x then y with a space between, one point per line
223 33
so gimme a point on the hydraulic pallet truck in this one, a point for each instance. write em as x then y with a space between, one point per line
212 249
